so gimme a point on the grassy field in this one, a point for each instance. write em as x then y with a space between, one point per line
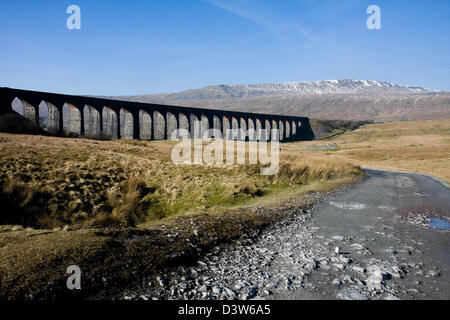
416 146
109 205
53 182
105 205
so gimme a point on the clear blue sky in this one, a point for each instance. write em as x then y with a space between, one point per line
138 47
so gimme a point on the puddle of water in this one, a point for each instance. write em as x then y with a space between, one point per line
348 206
386 208
422 194
439 224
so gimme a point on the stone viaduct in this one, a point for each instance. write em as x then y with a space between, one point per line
90 116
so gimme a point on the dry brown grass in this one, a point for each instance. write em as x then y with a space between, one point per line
416 146
302 170
86 183
53 182
114 207
124 207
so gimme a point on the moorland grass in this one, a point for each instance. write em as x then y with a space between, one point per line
416 146
53 182
120 209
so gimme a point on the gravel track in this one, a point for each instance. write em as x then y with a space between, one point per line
367 241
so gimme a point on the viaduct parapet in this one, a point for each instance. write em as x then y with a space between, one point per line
89 116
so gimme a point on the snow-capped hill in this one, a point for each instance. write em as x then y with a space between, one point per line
298 88
326 99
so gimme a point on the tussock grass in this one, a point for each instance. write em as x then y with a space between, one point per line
417 146
120 209
54 182
125 206
299 169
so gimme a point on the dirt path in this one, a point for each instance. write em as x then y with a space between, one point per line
369 241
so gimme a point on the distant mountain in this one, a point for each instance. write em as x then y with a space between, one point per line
326 99
294 88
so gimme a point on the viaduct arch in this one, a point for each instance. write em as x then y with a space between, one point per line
89 116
